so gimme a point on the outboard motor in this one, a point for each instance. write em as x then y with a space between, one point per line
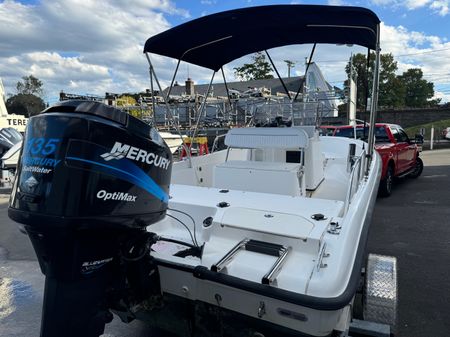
8 138
91 178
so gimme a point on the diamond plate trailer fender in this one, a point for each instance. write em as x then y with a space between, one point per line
380 293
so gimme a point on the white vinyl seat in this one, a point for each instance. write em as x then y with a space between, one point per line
258 176
272 174
267 138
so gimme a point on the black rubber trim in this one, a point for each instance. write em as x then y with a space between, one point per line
318 303
177 266
262 247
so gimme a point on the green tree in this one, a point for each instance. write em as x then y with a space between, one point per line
391 91
30 86
25 104
27 101
257 70
418 92
359 63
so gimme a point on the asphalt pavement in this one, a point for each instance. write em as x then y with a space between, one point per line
413 224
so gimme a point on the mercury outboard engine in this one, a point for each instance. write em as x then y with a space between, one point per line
91 178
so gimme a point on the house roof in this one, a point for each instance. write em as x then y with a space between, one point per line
217 39
219 89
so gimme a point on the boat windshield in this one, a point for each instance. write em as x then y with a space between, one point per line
362 133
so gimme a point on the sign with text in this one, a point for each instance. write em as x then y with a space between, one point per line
17 122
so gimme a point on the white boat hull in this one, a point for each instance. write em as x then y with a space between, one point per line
313 292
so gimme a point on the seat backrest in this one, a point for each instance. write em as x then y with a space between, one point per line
262 138
254 176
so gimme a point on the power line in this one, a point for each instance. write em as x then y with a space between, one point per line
424 52
403 55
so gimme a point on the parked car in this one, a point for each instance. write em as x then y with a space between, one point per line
400 154
327 130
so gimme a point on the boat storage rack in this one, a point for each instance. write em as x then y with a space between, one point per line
272 249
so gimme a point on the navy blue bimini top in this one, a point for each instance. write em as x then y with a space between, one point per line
217 39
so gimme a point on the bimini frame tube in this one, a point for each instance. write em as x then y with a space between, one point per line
306 71
226 86
153 97
374 102
203 106
166 100
279 77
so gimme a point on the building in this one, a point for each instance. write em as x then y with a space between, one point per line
315 88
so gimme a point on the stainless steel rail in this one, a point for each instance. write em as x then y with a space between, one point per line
356 170
229 256
279 251
271 276
216 140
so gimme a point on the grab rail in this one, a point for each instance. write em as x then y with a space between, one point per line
356 171
216 140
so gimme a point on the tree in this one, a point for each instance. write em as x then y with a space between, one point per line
390 92
406 90
27 101
418 92
258 70
359 63
25 104
30 86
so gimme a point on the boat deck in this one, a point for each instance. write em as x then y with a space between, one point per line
237 215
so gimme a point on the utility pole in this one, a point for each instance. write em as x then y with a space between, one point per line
352 95
290 64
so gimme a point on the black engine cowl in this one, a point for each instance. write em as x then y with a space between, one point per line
84 163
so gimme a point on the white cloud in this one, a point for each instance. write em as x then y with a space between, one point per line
441 7
93 46
336 2
414 4
411 49
383 2
417 50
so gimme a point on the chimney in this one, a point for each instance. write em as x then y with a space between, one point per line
190 88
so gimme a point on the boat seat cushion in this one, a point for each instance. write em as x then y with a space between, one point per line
256 176
261 138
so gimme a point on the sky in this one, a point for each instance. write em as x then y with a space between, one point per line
93 47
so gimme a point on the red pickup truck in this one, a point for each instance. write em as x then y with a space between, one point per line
400 155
